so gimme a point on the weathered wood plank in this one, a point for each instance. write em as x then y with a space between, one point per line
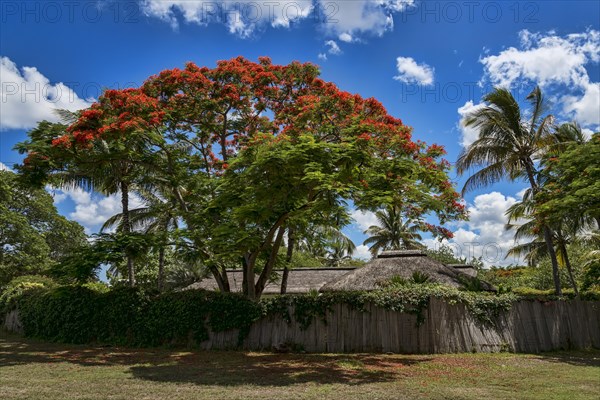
530 326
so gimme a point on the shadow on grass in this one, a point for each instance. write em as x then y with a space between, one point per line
221 368
580 358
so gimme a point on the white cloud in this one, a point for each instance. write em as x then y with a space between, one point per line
346 37
4 167
237 26
362 253
585 109
27 97
364 219
92 210
322 56
411 72
484 234
342 19
468 134
357 17
242 17
587 133
558 65
333 47
545 59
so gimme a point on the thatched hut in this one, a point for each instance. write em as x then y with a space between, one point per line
403 264
300 280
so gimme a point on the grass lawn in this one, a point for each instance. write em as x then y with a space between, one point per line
35 370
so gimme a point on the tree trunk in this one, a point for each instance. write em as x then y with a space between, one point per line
127 230
249 276
552 253
266 272
547 232
288 260
569 269
161 268
225 279
217 274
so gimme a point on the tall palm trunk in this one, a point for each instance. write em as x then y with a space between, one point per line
547 232
563 249
127 229
161 268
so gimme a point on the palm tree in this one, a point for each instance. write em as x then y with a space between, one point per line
508 146
338 252
157 217
324 240
393 232
563 234
106 170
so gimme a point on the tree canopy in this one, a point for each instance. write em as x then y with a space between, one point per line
33 236
245 150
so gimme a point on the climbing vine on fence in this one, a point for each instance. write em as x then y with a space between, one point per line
126 316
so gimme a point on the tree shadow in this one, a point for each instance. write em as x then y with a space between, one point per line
581 358
221 368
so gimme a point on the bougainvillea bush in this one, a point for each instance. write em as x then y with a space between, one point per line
242 152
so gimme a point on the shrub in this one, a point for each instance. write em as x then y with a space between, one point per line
591 276
16 287
126 316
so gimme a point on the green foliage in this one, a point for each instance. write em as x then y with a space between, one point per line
419 277
395 280
16 287
34 237
393 232
548 294
126 316
574 184
540 277
444 254
402 297
133 317
591 277
470 283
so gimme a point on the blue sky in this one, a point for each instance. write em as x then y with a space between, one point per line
428 62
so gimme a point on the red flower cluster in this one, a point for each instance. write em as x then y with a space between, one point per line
117 112
240 103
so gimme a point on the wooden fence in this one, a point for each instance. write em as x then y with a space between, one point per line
529 327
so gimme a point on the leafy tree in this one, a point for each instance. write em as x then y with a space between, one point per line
246 149
573 183
33 236
509 146
393 232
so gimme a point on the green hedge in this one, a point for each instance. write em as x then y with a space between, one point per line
124 316
132 317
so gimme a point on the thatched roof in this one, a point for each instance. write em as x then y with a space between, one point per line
398 263
464 268
300 280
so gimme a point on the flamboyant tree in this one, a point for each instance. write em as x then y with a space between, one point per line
248 148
